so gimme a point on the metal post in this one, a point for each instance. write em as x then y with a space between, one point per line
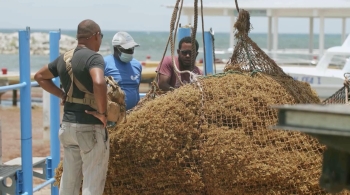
25 109
14 97
46 117
208 61
311 35
321 37
183 32
0 145
55 37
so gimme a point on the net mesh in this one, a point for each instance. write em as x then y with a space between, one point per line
247 55
214 136
339 97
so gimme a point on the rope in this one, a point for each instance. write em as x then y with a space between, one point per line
193 77
194 32
213 43
172 54
154 83
346 95
201 109
242 36
205 62
237 8
172 23
161 62
346 76
254 72
202 116
176 70
247 51
176 18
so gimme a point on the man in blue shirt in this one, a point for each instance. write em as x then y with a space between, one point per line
124 68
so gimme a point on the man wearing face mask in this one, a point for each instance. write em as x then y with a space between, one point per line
124 68
167 79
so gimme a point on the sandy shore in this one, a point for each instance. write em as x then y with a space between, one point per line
10 133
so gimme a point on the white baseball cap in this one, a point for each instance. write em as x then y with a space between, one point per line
124 40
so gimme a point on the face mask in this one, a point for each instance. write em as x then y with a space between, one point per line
125 57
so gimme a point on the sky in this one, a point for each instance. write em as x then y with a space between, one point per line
130 15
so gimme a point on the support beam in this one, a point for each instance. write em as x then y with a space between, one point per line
311 35
0 145
275 36
181 33
269 34
14 97
55 37
46 117
343 34
189 19
25 112
209 58
321 37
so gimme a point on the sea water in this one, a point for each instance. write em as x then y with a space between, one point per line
153 44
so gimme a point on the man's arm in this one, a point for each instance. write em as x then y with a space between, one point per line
165 71
100 89
163 82
44 79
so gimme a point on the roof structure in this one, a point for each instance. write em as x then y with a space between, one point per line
274 9
280 8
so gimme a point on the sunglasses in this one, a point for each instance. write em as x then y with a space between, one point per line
121 49
96 34
186 52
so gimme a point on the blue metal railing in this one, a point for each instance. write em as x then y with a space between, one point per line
25 111
12 87
55 37
25 84
208 61
48 182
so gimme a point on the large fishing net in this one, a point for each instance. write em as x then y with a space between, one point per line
213 136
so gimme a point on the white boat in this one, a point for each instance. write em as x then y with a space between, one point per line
324 78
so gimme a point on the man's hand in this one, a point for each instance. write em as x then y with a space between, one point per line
100 116
163 82
63 98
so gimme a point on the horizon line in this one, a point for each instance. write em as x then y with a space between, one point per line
43 29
